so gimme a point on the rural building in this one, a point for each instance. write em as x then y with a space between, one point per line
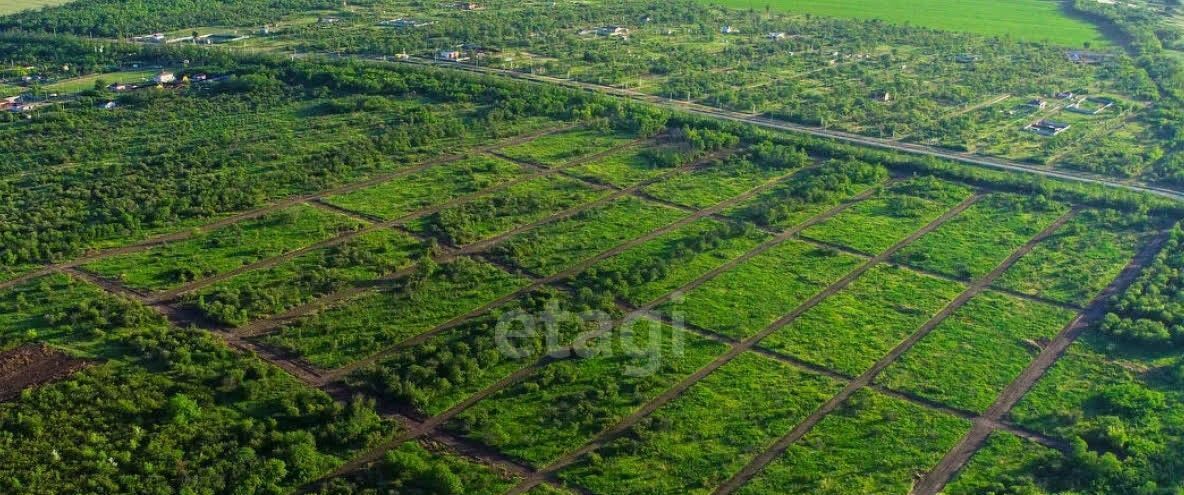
1037 103
109 105
729 30
884 96
468 6
9 102
165 77
404 23
328 20
612 31
451 56
1091 106
1084 57
776 36
1065 95
1048 127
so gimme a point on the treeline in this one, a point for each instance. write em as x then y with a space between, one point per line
122 18
1151 312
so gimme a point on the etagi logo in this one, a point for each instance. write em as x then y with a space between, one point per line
643 338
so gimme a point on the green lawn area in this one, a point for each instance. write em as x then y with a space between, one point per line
874 225
566 403
623 169
972 355
434 185
377 320
747 298
1033 20
225 249
420 467
555 246
976 241
873 444
851 330
11 6
700 439
84 83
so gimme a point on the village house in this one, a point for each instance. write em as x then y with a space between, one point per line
729 30
451 56
165 77
328 20
883 96
9 102
1037 103
612 31
1048 127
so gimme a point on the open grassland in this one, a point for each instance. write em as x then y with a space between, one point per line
747 298
222 250
555 246
517 205
1005 462
1079 259
968 359
11 6
651 270
568 402
1032 20
873 444
270 291
851 330
421 467
709 185
704 436
431 296
559 148
439 183
977 240
874 225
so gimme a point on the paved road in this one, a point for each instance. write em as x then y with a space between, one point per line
697 109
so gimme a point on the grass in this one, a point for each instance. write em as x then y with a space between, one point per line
976 241
437 184
555 246
30 311
219 251
711 184
13 6
514 206
874 225
872 444
624 169
747 298
697 441
79 84
452 365
806 194
681 254
421 467
851 330
271 291
1077 262
1030 20
972 355
378 320
569 401
562 147
1005 464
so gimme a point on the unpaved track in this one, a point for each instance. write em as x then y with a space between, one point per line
270 208
956 458
779 447
732 352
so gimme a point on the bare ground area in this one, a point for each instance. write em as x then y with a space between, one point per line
32 365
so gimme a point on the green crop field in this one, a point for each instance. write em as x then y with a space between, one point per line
1033 20
10 6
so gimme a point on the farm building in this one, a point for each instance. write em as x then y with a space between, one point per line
451 56
1048 127
1084 57
612 31
1037 103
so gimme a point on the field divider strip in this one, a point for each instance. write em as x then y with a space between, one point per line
992 419
739 348
779 447
280 204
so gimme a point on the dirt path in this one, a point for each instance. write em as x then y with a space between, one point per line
956 458
270 208
734 351
779 447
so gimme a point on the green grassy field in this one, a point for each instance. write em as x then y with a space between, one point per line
1032 20
11 6
88 82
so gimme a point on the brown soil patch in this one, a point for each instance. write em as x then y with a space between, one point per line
34 364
